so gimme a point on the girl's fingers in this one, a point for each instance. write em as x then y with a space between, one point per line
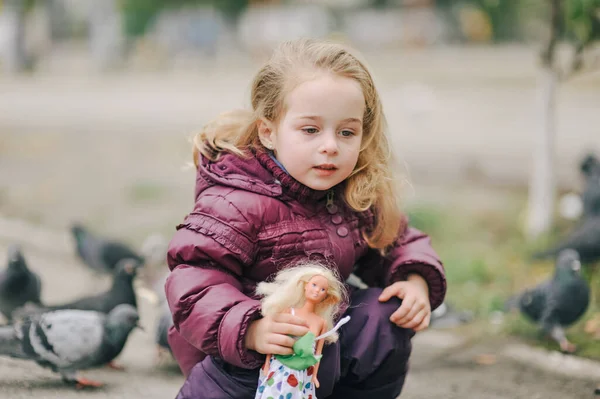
416 308
387 293
289 319
278 350
289 329
403 310
415 321
424 324
281 340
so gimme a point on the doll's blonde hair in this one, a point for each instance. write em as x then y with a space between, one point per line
286 291
371 183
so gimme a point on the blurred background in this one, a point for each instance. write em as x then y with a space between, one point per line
492 107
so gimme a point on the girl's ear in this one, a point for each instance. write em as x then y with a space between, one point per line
266 133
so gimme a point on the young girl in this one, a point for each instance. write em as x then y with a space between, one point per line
314 293
306 174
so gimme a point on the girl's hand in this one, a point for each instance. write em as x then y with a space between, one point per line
415 311
315 381
271 335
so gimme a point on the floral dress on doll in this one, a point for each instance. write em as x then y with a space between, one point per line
290 376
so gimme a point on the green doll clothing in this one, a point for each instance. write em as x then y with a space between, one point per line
290 376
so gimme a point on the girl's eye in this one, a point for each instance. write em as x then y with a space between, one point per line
322 289
314 285
347 133
310 130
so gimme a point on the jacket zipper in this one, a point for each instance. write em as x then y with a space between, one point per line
330 205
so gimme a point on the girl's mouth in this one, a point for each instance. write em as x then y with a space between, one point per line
326 166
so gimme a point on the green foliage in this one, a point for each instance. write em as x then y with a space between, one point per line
139 14
583 20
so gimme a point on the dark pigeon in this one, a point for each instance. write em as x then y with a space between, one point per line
18 284
585 239
590 167
67 341
165 318
558 302
165 321
99 254
121 292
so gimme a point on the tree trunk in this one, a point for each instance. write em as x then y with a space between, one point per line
106 36
542 183
15 59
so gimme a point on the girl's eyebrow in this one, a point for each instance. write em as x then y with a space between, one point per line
318 118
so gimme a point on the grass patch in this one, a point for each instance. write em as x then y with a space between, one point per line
487 260
144 192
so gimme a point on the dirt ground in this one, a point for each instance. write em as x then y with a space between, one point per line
111 151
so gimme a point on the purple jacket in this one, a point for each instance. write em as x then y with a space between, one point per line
250 219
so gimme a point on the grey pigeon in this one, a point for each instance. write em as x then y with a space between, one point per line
100 254
165 321
165 318
18 284
590 167
67 341
121 292
585 239
559 301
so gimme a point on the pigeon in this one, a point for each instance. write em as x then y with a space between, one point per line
67 341
585 239
99 254
18 284
558 302
590 167
165 321
121 292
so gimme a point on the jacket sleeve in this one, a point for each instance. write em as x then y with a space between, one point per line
411 253
204 290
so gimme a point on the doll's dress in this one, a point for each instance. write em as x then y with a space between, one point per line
290 377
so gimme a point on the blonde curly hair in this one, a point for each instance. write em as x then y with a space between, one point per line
371 184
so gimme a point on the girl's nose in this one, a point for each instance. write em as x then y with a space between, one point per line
329 144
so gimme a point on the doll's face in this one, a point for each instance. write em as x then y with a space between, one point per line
316 289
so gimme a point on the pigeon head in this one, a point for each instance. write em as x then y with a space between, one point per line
125 315
78 231
568 263
127 267
16 261
121 321
590 164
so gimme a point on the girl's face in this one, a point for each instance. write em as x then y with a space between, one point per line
318 138
316 289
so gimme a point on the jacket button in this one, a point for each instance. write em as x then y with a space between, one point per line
342 231
332 209
337 219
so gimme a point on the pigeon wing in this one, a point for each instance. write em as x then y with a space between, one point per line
67 339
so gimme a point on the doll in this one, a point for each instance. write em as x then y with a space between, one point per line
314 293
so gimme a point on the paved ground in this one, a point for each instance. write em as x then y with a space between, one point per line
110 151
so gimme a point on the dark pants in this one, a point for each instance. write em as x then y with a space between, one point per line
370 360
